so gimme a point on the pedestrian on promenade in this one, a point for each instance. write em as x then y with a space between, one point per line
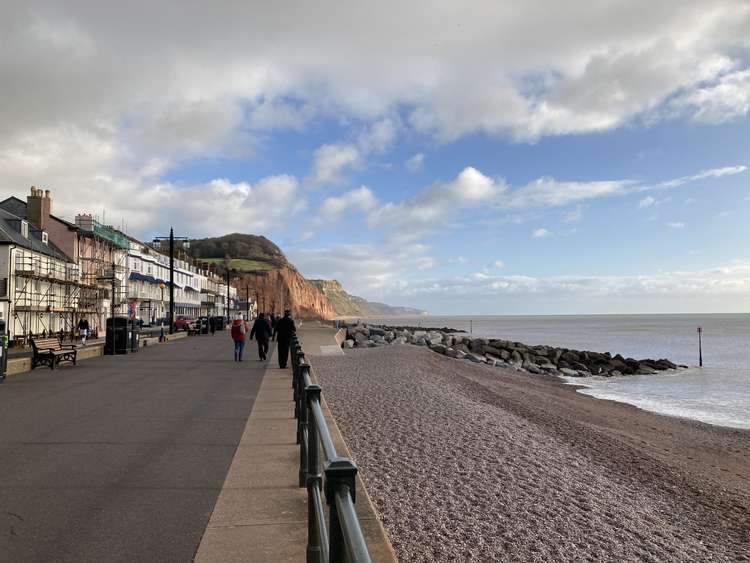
83 329
282 333
212 325
239 335
262 333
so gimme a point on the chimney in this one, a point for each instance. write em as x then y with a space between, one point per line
39 207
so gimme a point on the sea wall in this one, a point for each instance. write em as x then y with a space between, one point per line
496 352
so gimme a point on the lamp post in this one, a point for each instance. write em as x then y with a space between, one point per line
700 347
171 238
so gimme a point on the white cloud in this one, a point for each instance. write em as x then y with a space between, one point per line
306 235
676 225
415 163
540 233
498 264
379 137
548 192
574 216
719 101
329 161
703 175
362 199
647 201
438 202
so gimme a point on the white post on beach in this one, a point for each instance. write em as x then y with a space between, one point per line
700 347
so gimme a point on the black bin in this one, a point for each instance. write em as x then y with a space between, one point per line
116 341
135 335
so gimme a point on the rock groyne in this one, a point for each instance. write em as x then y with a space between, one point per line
541 360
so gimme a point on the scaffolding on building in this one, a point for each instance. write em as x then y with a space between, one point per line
46 293
99 268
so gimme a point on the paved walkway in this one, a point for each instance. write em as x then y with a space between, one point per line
174 453
121 458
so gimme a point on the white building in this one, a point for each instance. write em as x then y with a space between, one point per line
39 284
197 291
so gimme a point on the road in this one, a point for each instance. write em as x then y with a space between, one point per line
121 458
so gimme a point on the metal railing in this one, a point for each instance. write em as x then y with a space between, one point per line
339 538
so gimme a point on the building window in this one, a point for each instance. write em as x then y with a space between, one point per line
45 237
24 229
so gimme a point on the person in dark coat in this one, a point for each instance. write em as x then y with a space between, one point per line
212 325
262 332
282 333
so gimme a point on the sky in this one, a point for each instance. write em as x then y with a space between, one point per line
491 157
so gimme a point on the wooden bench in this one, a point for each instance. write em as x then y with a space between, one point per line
49 352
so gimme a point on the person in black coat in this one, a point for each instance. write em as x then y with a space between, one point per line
283 332
262 332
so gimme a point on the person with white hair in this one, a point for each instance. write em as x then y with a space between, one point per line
239 335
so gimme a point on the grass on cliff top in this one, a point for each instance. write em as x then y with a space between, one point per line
242 264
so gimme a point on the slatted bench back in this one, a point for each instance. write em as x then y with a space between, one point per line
43 344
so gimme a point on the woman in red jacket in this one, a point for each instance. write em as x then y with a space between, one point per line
239 335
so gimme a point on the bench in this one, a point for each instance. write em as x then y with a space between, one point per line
49 352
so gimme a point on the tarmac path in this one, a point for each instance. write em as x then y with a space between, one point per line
121 458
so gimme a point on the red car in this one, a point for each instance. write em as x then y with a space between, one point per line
184 323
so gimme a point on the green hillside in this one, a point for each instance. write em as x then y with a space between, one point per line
248 253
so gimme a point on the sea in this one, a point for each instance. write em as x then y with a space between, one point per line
717 393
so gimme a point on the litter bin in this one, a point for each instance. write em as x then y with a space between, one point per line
135 335
116 340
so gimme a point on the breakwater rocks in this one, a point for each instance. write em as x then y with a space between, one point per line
515 355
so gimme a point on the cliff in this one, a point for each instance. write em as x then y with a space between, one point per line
347 305
285 288
258 264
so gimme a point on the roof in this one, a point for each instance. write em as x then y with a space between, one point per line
17 207
10 233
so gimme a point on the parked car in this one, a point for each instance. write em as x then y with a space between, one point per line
184 323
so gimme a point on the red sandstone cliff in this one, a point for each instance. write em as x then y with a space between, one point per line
285 288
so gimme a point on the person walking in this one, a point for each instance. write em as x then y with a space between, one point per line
262 333
212 325
83 328
239 335
282 333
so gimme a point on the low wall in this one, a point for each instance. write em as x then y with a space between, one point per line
340 336
23 365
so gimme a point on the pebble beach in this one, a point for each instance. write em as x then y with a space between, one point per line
467 462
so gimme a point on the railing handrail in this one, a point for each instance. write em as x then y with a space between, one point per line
344 540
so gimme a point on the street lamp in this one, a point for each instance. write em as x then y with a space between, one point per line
171 238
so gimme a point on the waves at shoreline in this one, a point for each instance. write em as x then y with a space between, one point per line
717 394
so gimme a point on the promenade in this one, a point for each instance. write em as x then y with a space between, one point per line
121 458
175 453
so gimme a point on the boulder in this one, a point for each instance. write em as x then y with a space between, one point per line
460 354
477 345
515 357
532 368
439 348
390 335
490 349
349 343
377 330
420 342
569 372
399 340
476 358
462 347
451 353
